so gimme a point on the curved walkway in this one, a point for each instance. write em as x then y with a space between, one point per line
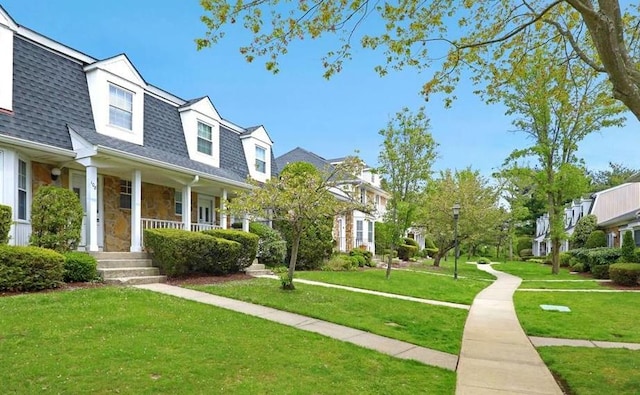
496 356
385 345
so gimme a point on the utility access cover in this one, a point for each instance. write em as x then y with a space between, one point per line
552 307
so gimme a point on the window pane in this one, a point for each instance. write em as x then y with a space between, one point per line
121 118
120 107
261 166
636 237
204 131
22 204
22 174
204 146
178 199
261 153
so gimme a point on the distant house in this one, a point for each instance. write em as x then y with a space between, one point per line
137 156
617 210
356 228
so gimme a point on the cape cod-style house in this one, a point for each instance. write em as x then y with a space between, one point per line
136 155
356 228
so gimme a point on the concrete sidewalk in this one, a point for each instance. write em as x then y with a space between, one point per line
385 345
497 357
554 341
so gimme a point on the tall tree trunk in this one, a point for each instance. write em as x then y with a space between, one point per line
388 274
436 259
555 255
292 261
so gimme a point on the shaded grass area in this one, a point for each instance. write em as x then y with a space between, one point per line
535 271
122 340
594 371
593 316
429 326
563 285
418 285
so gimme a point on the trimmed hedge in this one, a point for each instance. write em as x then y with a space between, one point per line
596 239
272 249
249 243
625 273
600 271
5 223
590 257
565 259
29 268
179 252
406 251
362 257
484 260
628 247
56 219
79 267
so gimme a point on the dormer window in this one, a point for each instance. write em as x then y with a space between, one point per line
120 107
205 142
261 159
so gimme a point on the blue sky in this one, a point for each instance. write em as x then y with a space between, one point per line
298 106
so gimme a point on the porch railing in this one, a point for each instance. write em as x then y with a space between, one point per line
201 227
151 223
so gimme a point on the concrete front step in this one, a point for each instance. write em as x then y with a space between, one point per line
117 263
258 272
136 280
125 272
119 255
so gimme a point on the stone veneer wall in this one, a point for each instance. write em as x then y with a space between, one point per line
349 230
41 175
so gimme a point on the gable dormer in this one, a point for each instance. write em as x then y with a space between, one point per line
257 147
201 124
7 29
116 90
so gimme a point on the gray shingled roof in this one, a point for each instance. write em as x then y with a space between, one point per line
51 92
302 155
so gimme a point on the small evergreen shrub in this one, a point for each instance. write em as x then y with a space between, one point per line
272 249
340 262
406 251
600 271
29 268
411 242
383 232
628 247
179 252
484 260
79 267
367 257
627 274
5 223
526 253
583 229
249 243
56 219
596 239
590 257
565 259
578 267
524 243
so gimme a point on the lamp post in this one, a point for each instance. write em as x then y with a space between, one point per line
456 214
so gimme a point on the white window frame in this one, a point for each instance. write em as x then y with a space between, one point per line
205 139
22 190
370 231
120 105
359 231
261 162
177 202
125 190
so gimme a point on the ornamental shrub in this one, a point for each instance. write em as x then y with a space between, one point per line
524 243
596 239
340 262
272 249
79 267
628 247
526 253
600 271
367 257
249 243
625 273
383 232
56 219
5 223
578 267
29 268
565 258
179 252
407 251
316 243
583 229
484 260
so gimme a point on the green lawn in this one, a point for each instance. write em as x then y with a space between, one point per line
122 340
563 285
593 316
447 267
418 285
429 326
595 371
535 271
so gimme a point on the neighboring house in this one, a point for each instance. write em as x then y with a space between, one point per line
355 228
617 210
137 156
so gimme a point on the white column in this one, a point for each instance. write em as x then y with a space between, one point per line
223 206
245 223
136 211
91 197
186 207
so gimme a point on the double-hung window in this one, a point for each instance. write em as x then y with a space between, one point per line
261 159
120 107
359 231
22 190
178 199
205 142
370 231
125 194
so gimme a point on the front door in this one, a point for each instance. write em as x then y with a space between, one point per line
205 210
79 186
